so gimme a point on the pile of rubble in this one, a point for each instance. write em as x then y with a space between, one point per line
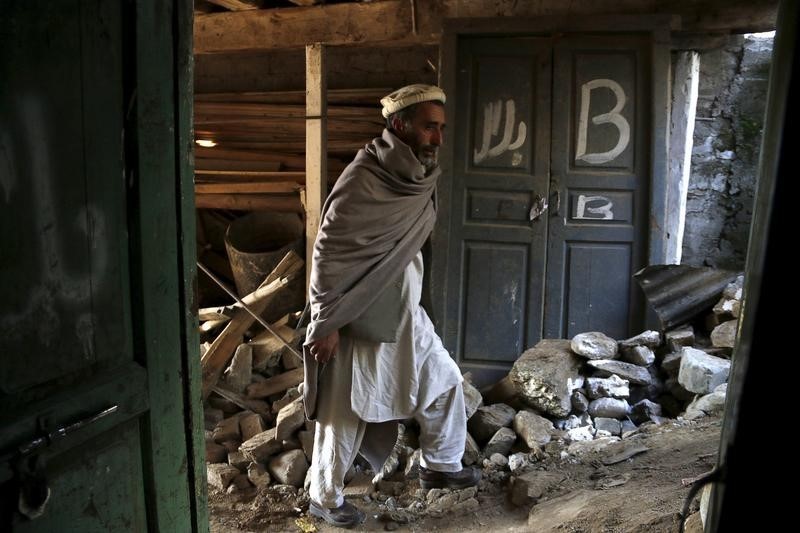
562 398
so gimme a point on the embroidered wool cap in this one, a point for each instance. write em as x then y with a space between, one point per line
410 95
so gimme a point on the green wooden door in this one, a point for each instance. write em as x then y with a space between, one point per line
98 430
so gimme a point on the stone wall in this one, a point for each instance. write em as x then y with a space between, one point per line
727 138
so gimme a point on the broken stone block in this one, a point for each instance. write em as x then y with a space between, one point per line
472 398
724 335
672 363
389 467
467 506
289 468
228 429
290 419
594 345
528 488
518 462
590 446
498 459
292 443
226 406
609 408
639 355
634 374
237 459
220 475
261 447
250 425
268 349
708 405
360 486
677 390
579 401
238 375
611 387
216 453
535 430
288 397
680 337
644 411
471 451
501 442
572 422
700 372
258 475
580 433
610 425
650 339
212 417
488 419
627 428
241 482
230 446
545 376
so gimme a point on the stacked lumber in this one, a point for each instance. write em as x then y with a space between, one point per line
258 162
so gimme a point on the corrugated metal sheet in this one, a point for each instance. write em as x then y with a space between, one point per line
679 293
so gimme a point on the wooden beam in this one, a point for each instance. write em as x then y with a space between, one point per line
214 360
390 23
295 27
250 175
275 384
316 145
364 97
250 202
253 187
237 5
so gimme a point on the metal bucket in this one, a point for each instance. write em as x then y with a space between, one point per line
257 242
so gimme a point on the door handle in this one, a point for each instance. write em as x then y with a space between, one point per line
539 206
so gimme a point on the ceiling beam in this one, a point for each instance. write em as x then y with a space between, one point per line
237 5
406 22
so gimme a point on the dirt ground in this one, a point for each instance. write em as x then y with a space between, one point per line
643 493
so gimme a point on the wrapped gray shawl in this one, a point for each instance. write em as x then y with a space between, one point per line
375 220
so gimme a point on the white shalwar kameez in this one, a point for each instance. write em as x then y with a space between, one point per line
413 377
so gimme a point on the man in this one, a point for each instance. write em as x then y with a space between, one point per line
371 354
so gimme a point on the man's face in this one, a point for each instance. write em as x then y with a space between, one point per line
424 133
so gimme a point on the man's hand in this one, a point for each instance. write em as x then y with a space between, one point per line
324 349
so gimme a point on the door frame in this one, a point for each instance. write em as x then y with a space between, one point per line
657 26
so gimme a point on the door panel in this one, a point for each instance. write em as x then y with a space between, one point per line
600 180
500 172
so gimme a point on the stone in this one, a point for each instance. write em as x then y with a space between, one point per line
545 376
579 401
238 459
250 425
258 475
268 349
610 425
488 419
472 397
212 416
518 462
262 446
501 442
609 408
220 475
306 439
289 468
535 430
471 451
216 453
649 339
412 465
241 482
639 355
724 335
290 419
590 446
700 372
672 363
611 387
498 459
680 337
644 411
580 433
708 405
228 429
239 373
677 390
288 397
594 345
634 374
528 488
360 486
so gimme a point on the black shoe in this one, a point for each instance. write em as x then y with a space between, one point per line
466 477
346 515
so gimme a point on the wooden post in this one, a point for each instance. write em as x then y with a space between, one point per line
684 104
316 145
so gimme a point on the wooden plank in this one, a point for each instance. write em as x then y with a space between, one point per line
250 202
316 145
248 404
228 164
215 313
251 175
364 97
277 111
237 5
294 28
222 349
244 155
275 384
247 187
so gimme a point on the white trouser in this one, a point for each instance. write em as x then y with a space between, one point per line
443 432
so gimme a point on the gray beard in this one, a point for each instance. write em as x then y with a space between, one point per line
429 162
